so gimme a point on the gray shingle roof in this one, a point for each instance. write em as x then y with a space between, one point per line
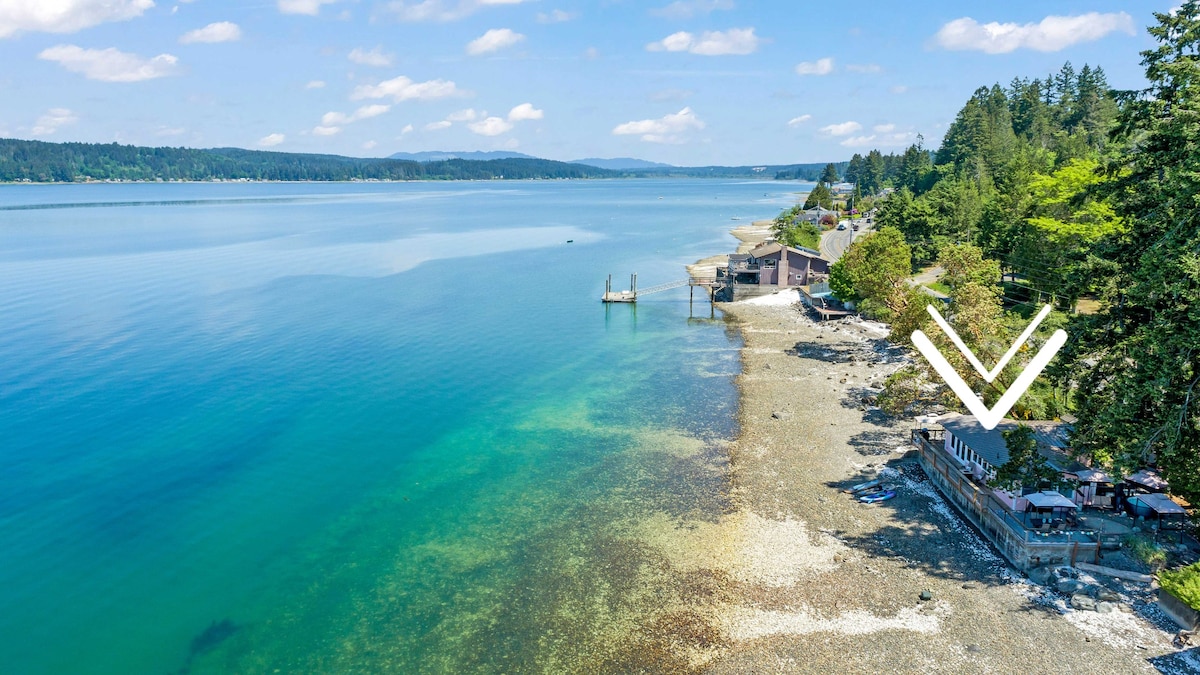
990 445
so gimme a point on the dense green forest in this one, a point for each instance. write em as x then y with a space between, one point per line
1059 190
39 162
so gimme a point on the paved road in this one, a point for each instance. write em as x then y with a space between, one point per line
835 242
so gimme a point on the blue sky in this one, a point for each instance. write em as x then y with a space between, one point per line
689 82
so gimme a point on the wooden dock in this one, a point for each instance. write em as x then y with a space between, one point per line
632 294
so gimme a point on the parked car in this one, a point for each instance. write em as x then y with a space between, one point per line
841 226
854 227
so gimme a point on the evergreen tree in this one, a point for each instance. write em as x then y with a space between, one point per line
1137 362
1026 467
830 175
854 171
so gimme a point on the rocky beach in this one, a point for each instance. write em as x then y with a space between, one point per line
811 580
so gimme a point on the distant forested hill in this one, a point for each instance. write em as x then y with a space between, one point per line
41 162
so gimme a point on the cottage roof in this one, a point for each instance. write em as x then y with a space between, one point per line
768 249
1161 503
1091 476
739 257
1148 478
1051 437
1049 499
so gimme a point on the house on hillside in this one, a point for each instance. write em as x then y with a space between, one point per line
815 214
768 268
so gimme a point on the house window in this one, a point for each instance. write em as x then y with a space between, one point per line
769 264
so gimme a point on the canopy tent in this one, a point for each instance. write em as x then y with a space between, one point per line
1049 500
1091 476
1160 504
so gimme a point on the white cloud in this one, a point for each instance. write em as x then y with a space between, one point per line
842 129
468 115
65 16
315 84
403 89
869 68
523 112
1049 35
556 16
326 131
686 9
591 53
819 67
164 130
408 129
667 129
881 140
376 57
271 140
369 145
109 65
334 119
735 41
222 31
884 128
858 141
492 41
797 121
54 118
437 126
898 89
309 7
492 126
441 10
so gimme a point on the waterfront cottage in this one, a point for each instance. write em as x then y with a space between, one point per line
769 268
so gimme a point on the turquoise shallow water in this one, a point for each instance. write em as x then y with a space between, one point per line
372 427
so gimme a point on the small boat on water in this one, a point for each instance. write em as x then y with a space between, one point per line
880 496
853 489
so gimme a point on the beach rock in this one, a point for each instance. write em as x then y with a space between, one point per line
781 415
925 596
974 649
1106 607
1069 586
970 586
1106 595
1082 601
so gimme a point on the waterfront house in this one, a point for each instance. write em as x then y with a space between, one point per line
1044 531
981 451
770 267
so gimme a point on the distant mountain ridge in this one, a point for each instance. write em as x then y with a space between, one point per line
442 156
621 163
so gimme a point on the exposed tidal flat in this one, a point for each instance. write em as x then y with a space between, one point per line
813 581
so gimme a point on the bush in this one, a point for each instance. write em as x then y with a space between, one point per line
1183 583
1146 551
829 220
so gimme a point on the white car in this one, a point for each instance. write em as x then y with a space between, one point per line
841 226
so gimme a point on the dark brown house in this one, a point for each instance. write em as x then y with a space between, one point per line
775 265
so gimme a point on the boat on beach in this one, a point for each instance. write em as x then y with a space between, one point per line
879 496
855 489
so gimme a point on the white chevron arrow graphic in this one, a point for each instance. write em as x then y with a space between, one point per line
989 418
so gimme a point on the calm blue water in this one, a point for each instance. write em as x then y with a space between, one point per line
372 427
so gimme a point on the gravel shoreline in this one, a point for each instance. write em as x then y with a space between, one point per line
813 581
